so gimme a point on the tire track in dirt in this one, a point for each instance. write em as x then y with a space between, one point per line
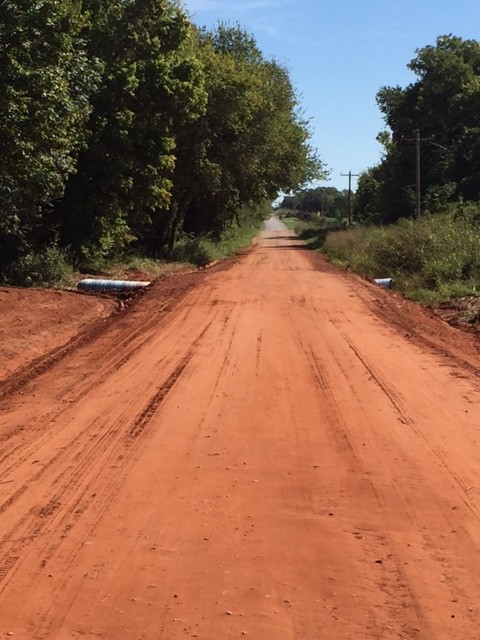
81 467
438 452
74 483
388 490
377 548
136 431
169 291
123 345
384 386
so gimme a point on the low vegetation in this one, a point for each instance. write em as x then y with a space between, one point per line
313 229
52 266
202 250
433 259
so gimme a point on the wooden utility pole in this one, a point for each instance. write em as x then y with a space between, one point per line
418 140
350 174
417 171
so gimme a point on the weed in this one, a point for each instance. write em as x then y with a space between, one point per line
202 250
434 258
46 267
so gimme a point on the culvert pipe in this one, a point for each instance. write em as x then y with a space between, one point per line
386 283
115 286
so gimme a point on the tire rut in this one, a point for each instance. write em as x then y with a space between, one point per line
90 461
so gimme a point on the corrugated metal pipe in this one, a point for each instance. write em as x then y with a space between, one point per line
386 283
116 286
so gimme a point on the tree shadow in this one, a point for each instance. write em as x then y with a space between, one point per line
280 237
314 238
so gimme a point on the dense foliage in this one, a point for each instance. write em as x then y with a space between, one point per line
326 201
46 81
437 256
434 258
444 105
124 125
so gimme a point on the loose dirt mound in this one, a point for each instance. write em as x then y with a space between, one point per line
40 326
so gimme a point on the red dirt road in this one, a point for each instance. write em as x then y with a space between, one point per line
283 451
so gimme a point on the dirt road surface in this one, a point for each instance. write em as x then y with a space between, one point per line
276 451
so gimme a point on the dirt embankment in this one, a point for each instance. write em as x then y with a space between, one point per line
38 327
35 323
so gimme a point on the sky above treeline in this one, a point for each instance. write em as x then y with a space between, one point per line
339 54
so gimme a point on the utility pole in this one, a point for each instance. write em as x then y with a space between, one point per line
418 140
350 174
417 171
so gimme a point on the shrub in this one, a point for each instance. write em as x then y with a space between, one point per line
194 250
45 267
201 250
435 257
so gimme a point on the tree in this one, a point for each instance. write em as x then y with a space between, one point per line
443 104
151 86
367 207
124 124
328 201
46 80
250 143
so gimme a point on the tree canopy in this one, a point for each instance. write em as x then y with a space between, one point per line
250 142
327 201
125 125
46 80
443 104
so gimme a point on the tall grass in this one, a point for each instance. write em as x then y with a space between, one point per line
314 231
434 258
202 250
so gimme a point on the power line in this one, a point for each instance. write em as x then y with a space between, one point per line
350 174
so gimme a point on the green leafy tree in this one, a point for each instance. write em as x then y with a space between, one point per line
250 143
367 207
46 79
443 104
152 85
327 201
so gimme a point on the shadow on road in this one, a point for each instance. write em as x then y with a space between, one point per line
277 237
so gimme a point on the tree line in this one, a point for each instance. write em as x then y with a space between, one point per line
326 202
443 105
123 125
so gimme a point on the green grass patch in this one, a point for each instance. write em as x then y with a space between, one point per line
202 250
314 232
136 267
290 221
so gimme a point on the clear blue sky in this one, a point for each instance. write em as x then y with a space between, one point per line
339 53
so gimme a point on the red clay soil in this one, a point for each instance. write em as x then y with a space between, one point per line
37 322
278 451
